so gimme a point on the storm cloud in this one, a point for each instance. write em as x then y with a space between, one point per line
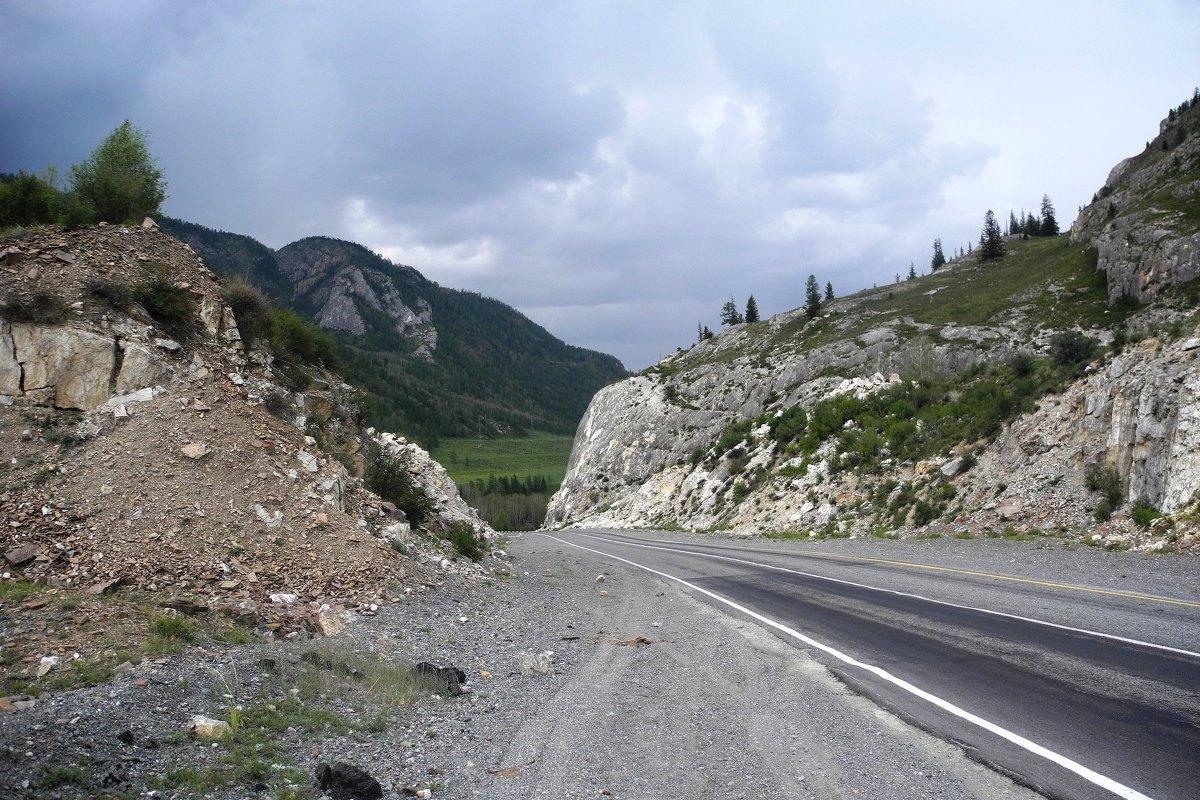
616 170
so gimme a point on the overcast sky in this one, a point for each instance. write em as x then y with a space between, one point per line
615 170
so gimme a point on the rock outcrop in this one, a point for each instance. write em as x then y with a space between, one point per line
692 442
1143 221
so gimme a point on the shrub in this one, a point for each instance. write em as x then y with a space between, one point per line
388 477
251 309
27 200
276 404
171 306
114 294
1143 513
45 308
1072 348
1106 480
467 541
296 339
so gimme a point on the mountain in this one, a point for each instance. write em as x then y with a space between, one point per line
438 361
1052 390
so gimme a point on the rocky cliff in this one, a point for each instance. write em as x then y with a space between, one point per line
142 445
990 395
1144 221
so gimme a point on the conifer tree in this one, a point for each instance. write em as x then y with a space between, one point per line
812 296
828 291
751 310
991 240
730 314
1049 223
912 272
939 258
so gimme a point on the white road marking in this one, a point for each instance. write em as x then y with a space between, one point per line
1034 620
1089 775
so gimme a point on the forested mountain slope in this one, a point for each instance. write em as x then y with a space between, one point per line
438 361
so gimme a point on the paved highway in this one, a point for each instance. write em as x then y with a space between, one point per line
1075 690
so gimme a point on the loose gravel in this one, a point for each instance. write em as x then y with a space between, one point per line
710 706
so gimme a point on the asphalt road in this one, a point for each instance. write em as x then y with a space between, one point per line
1074 687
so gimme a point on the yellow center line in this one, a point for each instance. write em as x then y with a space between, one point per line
1114 593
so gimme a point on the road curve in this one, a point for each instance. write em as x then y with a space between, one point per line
1077 691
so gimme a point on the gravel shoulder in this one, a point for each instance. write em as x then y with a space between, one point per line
712 705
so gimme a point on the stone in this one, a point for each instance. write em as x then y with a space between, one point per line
1010 509
140 368
202 727
284 598
22 554
342 781
46 664
195 450
170 345
103 587
307 460
952 467
331 621
397 532
535 663
268 518
71 367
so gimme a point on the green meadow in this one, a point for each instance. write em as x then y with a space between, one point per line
538 453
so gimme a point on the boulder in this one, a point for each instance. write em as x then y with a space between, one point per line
347 782
70 366
140 368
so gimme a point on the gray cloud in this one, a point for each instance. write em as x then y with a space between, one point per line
615 170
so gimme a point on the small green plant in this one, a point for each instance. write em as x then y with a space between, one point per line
114 294
45 308
1107 481
388 477
66 775
276 403
253 312
467 541
173 626
171 306
1143 514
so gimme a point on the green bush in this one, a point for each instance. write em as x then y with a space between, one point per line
388 477
27 200
297 340
253 312
45 308
1143 514
171 306
1106 480
114 294
467 541
1072 348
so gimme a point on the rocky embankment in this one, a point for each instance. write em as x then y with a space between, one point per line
664 449
176 462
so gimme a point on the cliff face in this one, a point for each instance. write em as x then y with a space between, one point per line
701 440
1144 221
